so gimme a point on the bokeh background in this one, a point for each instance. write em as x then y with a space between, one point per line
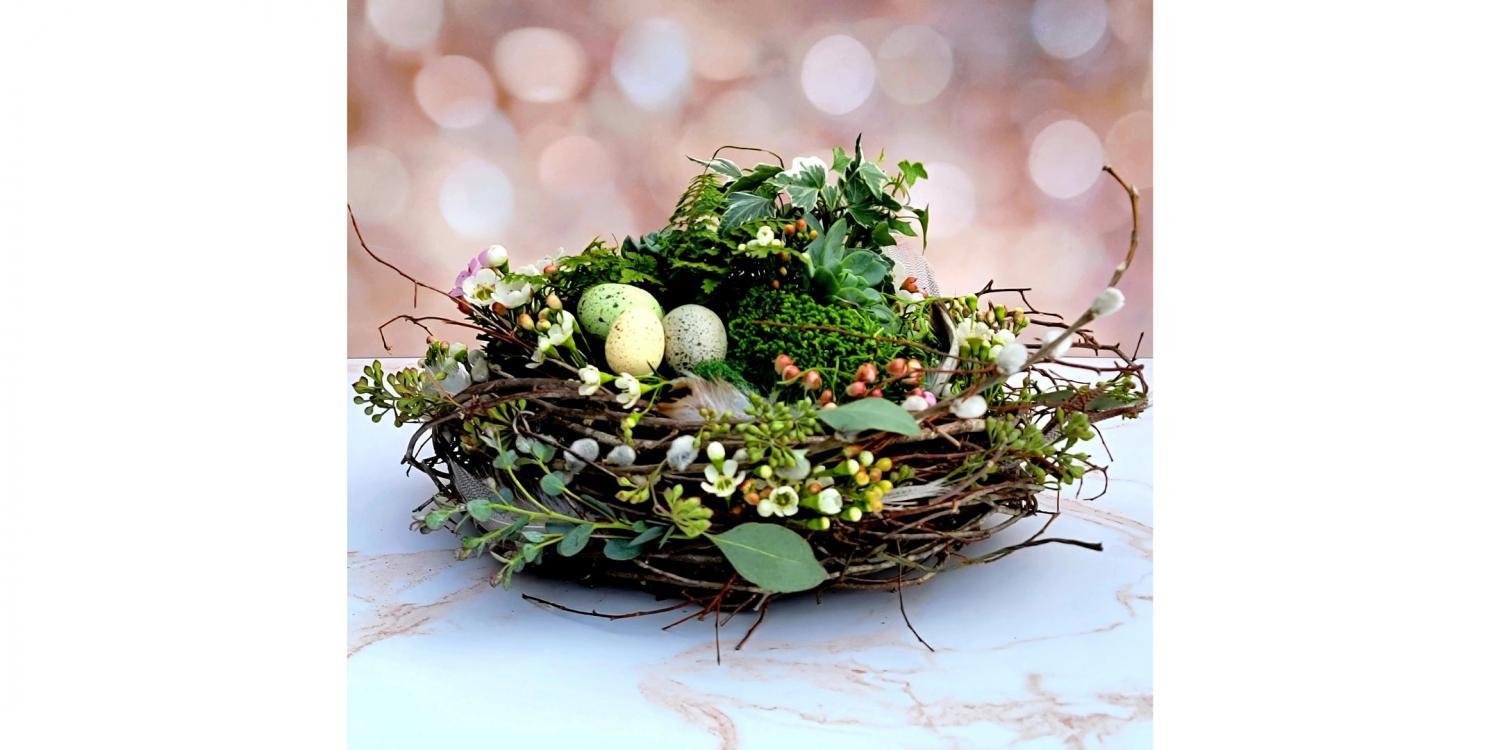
540 125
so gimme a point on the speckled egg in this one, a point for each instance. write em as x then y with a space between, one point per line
602 303
635 342
694 334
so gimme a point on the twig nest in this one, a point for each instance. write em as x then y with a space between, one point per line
636 342
601 304
695 334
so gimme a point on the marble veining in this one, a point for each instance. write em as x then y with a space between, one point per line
1047 648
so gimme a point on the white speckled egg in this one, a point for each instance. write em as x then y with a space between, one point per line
602 303
694 335
635 342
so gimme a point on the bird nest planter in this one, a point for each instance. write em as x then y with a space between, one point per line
765 397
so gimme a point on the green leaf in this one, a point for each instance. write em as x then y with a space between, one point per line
575 540
479 510
1056 397
506 461
922 219
1105 403
913 170
554 483
866 265
754 178
872 176
723 166
802 196
771 556
864 214
435 519
746 206
828 248
619 549
870 414
841 159
648 535
542 451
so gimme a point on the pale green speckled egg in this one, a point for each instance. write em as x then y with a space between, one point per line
602 303
635 342
694 335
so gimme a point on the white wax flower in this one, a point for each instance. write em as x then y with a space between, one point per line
799 471
914 403
764 235
971 407
480 287
496 256
561 331
781 502
909 300
682 452
716 451
1003 337
512 293
1011 357
629 389
590 377
1108 302
969 329
722 482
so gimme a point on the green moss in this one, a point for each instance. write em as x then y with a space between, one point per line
754 345
718 369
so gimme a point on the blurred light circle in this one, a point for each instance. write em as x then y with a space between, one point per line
1068 28
950 191
540 65
378 184
574 165
651 63
915 64
838 74
1128 146
455 91
476 199
1130 20
1066 159
408 24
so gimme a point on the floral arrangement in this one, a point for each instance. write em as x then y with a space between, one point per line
766 396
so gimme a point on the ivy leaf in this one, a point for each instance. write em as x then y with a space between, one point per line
746 206
619 549
841 159
574 541
724 167
912 170
864 214
802 196
554 483
870 414
771 556
922 219
872 176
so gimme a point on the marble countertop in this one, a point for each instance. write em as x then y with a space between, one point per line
1047 648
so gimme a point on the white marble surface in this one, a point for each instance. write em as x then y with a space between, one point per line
1047 648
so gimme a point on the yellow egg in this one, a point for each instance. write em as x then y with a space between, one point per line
636 342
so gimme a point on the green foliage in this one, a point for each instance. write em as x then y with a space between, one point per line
575 540
771 556
753 344
850 275
718 369
401 393
870 414
687 513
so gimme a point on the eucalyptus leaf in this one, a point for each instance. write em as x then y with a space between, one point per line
771 556
575 540
619 549
554 483
870 414
479 509
543 451
506 460
648 535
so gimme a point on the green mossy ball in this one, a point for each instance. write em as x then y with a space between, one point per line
601 304
753 345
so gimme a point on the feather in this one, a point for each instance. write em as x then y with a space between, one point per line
715 395
912 493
